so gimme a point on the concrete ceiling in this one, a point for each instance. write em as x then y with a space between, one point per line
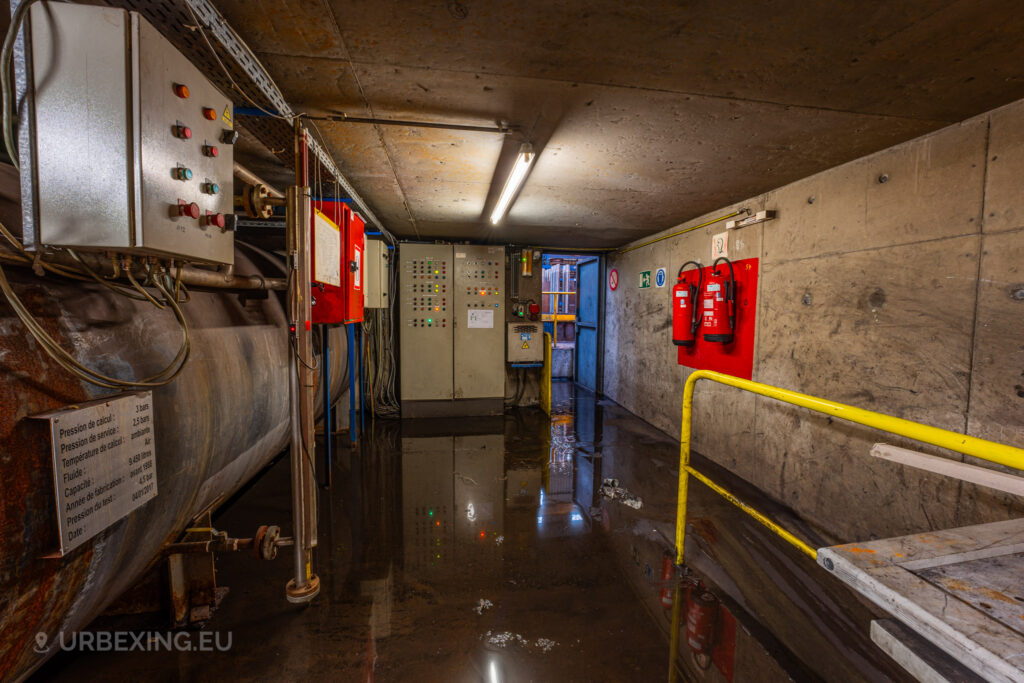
644 114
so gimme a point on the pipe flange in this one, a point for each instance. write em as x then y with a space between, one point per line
266 545
254 200
304 595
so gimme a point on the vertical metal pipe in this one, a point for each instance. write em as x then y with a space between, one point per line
305 585
350 331
325 384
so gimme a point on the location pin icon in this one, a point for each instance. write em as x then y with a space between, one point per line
40 641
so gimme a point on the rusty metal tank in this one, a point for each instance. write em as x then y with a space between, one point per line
222 420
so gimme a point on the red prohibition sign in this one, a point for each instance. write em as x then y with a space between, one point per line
613 279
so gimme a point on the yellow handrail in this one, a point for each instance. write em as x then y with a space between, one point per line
961 443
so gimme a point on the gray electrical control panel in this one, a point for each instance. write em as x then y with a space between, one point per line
452 327
377 292
479 321
425 316
129 146
525 342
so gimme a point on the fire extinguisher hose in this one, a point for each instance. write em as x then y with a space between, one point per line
694 320
731 294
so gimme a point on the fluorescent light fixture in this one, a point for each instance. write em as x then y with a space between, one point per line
515 180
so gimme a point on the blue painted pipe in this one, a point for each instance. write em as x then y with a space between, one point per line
362 402
350 331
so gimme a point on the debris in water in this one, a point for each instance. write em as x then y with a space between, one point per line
611 490
483 606
545 644
499 540
503 639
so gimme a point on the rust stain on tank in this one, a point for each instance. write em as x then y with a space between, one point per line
35 592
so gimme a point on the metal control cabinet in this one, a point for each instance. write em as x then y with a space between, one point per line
479 321
327 242
353 268
525 342
128 145
377 293
452 317
426 322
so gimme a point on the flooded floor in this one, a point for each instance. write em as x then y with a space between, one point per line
448 551
518 548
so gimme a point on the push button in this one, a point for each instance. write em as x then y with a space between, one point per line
215 219
182 131
187 209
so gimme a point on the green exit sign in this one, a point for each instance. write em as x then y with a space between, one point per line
645 279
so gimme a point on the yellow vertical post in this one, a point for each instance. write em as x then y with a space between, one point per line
673 639
684 463
545 381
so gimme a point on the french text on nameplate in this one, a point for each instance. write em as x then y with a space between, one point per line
104 464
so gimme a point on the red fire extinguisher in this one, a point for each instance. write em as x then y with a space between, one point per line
685 320
701 610
719 304
667 572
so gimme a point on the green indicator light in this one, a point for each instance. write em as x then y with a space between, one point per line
430 320
430 512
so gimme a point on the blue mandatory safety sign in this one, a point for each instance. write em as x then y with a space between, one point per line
659 277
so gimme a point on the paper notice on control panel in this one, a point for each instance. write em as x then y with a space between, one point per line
481 318
104 463
326 251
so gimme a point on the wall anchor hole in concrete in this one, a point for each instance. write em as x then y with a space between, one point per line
1017 292
877 298
884 178
807 299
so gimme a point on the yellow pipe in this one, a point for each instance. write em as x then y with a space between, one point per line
673 640
546 390
682 232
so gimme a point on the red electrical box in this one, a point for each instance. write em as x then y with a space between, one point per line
353 266
327 250
337 244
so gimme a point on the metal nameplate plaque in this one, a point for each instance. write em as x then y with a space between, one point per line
104 465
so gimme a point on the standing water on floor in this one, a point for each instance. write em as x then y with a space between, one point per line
449 550
515 548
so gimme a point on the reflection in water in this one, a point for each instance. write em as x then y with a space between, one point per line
475 550
452 502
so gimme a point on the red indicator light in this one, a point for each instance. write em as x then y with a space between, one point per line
209 114
181 91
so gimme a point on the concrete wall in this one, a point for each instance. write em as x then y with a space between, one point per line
905 297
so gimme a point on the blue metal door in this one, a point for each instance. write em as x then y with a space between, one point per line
587 308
